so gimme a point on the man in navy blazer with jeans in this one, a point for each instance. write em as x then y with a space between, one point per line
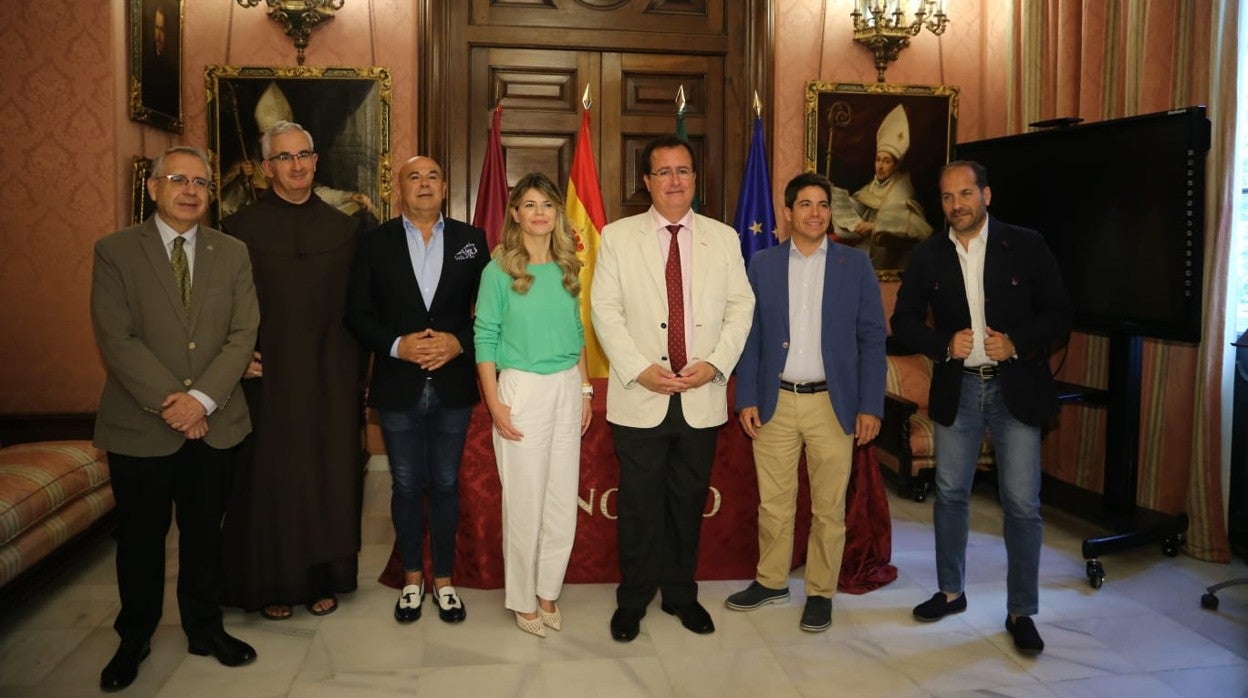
811 375
413 284
995 297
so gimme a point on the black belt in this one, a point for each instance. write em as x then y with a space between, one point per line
985 372
804 388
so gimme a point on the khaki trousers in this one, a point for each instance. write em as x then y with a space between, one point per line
802 420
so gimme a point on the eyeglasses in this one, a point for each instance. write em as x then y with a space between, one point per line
287 158
682 172
178 180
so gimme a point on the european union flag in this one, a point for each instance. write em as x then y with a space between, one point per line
756 219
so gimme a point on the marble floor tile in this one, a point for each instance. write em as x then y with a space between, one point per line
1142 634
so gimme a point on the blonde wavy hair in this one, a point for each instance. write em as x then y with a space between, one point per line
512 255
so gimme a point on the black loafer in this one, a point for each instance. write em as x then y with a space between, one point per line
228 650
692 616
626 623
938 607
124 666
1026 637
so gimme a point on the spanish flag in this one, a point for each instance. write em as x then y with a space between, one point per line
588 217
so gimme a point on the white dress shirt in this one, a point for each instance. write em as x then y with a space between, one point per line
972 260
805 360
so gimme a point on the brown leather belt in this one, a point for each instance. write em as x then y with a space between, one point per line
804 388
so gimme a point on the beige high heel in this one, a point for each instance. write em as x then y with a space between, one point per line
551 619
531 625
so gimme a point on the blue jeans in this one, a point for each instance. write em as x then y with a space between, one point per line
1017 448
424 446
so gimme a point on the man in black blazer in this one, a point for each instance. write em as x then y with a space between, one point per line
997 303
409 300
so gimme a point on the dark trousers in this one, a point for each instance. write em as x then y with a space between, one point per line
195 482
665 474
425 446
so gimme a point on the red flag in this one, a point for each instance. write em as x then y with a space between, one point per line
492 190
588 217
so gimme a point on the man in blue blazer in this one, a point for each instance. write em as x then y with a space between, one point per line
994 296
811 375
409 300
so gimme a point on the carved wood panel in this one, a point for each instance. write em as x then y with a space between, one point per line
535 57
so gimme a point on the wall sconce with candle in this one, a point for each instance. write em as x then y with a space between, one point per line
298 17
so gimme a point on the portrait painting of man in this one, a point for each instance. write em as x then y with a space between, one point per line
345 110
156 63
882 146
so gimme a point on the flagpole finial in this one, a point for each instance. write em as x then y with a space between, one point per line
758 105
680 100
586 102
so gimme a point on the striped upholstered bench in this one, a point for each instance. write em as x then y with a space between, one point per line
50 491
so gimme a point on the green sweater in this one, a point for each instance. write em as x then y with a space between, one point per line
539 332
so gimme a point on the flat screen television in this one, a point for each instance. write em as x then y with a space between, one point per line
1121 204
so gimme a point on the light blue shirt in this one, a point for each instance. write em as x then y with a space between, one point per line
167 235
426 262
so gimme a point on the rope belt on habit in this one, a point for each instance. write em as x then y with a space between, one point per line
804 388
985 372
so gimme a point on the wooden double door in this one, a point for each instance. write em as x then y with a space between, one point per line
535 58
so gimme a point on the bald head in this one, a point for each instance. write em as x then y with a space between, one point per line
422 187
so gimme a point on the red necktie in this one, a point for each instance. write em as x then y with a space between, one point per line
675 304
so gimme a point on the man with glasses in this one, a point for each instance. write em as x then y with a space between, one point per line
243 181
293 529
672 308
413 287
175 316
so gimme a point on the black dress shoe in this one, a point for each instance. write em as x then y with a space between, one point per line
228 650
692 616
626 623
124 665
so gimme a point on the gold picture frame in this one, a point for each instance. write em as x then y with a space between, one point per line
141 205
346 109
845 129
156 63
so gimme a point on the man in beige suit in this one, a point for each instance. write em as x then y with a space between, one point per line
667 389
175 317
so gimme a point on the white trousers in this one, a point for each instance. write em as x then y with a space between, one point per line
539 475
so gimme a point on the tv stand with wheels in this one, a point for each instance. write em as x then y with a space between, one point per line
1133 525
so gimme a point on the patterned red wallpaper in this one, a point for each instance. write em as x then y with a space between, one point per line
66 143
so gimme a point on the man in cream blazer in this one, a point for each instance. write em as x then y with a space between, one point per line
667 390
174 311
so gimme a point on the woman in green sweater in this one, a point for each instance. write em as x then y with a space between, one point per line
531 359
